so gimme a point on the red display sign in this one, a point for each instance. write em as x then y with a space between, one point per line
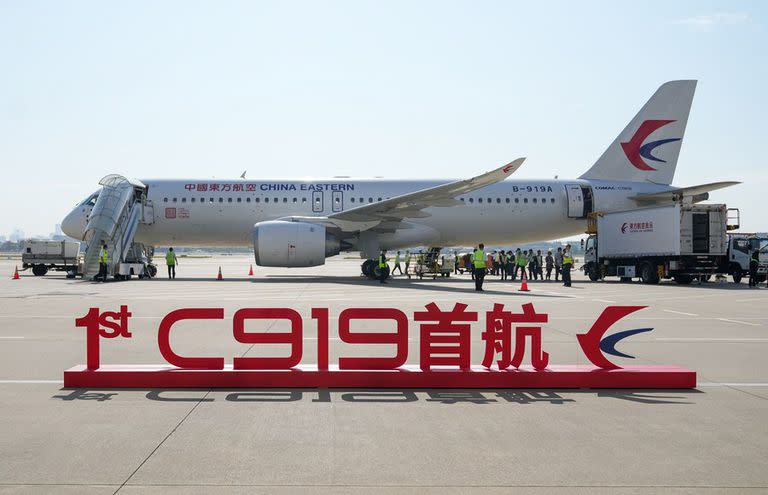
444 352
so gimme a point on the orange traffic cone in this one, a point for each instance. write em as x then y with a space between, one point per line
250 272
524 285
15 274
219 277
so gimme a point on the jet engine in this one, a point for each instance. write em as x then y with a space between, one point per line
293 244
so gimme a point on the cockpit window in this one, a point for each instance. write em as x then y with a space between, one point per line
90 200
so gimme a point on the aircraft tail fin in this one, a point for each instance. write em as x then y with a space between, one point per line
647 149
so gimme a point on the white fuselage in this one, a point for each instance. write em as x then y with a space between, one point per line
202 213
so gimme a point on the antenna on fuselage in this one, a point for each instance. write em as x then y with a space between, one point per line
242 176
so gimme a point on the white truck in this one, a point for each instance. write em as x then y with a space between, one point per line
680 241
740 248
42 256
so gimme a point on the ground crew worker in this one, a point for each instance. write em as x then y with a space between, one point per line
754 261
503 265
103 261
540 264
478 261
558 263
407 263
397 264
550 263
567 265
532 270
171 261
455 262
383 267
520 262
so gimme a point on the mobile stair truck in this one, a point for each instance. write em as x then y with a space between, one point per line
680 241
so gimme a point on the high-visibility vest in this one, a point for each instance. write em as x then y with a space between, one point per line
103 255
520 259
407 257
567 260
170 258
382 261
479 258
397 258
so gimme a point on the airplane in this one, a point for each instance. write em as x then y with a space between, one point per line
299 223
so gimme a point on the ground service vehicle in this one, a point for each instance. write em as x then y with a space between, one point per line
42 256
740 249
677 241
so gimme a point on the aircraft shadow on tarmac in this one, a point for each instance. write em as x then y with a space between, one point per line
391 396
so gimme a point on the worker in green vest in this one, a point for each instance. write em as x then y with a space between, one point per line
103 262
383 268
520 261
397 264
478 261
171 261
567 265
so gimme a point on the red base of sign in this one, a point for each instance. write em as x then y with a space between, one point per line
575 376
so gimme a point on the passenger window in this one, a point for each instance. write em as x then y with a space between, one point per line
221 200
275 200
379 199
543 200
174 200
266 200
211 200
239 200
165 200
303 200
183 200
479 200
517 200
507 200
370 200
229 200
498 200
362 200
462 199
552 200
534 200
285 200
352 199
295 200
471 200
247 200
193 199
257 200
525 200
489 200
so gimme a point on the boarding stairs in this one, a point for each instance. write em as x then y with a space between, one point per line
120 208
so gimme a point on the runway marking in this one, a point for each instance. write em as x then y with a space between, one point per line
731 384
22 382
680 312
706 339
604 300
738 321
12 338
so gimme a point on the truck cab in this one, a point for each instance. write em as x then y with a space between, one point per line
740 249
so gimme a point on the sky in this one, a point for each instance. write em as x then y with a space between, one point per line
428 89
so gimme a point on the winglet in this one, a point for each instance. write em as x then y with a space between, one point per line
498 174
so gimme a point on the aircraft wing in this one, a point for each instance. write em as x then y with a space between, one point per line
675 194
386 215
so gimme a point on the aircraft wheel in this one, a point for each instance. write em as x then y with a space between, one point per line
367 268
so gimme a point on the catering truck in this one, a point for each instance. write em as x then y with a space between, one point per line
42 256
680 241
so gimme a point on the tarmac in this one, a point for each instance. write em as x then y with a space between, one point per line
712 439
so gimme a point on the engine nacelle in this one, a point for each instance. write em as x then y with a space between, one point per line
292 244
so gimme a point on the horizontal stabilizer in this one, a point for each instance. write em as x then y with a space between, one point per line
679 193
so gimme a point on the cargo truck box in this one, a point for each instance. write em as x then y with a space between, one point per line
674 230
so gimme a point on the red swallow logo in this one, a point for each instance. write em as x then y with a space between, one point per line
636 150
590 341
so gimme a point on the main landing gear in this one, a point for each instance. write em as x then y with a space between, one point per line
370 269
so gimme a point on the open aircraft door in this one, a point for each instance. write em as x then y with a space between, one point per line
575 201
148 213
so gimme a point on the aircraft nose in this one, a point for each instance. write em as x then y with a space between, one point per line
72 225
